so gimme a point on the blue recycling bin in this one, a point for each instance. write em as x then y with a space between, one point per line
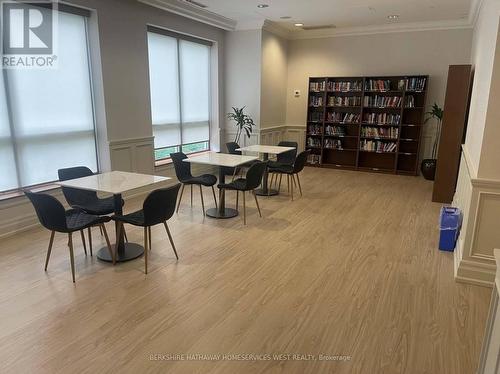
449 227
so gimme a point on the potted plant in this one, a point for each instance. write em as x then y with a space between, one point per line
428 166
243 122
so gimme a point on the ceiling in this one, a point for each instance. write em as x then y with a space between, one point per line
341 13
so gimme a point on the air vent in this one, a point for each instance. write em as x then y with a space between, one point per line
196 3
321 27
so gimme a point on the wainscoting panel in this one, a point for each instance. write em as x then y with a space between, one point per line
479 201
133 155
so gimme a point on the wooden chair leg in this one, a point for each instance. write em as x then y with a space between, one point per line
237 199
83 242
71 255
180 198
288 183
108 244
244 209
234 174
146 250
298 182
125 234
89 230
149 238
215 198
291 185
257 203
49 250
202 201
294 181
100 229
279 185
191 196
171 240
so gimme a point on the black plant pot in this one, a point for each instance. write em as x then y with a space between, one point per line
428 168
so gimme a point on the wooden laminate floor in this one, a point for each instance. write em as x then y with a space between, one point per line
349 269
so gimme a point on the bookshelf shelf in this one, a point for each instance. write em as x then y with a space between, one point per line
369 136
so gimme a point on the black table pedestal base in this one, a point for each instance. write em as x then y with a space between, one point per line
266 192
131 251
227 213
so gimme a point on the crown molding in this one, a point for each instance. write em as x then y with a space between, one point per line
382 29
276 29
251 24
475 9
188 10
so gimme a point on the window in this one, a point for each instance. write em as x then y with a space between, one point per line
46 115
179 71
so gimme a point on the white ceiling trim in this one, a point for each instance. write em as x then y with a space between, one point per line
475 9
194 12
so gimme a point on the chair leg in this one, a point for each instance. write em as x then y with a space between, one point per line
125 234
49 250
279 185
149 238
100 229
294 182
180 198
202 202
89 230
237 199
191 196
111 253
83 242
146 250
288 183
215 199
71 256
244 210
234 174
291 185
298 182
171 240
257 202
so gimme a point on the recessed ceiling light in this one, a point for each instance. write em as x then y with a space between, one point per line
285 17
262 6
393 17
299 24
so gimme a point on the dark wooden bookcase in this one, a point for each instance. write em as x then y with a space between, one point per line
366 123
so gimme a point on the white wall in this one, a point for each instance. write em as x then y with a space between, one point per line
274 80
422 52
242 61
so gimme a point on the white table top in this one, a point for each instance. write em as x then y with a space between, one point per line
271 149
115 182
220 159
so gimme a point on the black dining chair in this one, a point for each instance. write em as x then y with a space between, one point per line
55 218
284 159
251 181
85 200
183 173
158 207
292 172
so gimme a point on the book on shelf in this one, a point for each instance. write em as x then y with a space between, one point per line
344 101
313 159
377 146
314 129
380 132
313 142
382 101
343 117
316 101
378 85
345 86
410 101
334 130
317 86
382 119
333 144
316 117
415 84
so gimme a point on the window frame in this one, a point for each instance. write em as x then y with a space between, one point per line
179 36
47 185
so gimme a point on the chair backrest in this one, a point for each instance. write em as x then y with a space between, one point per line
300 162
254 175
232 148
75 196
159 205
182 169
287 157
49 210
